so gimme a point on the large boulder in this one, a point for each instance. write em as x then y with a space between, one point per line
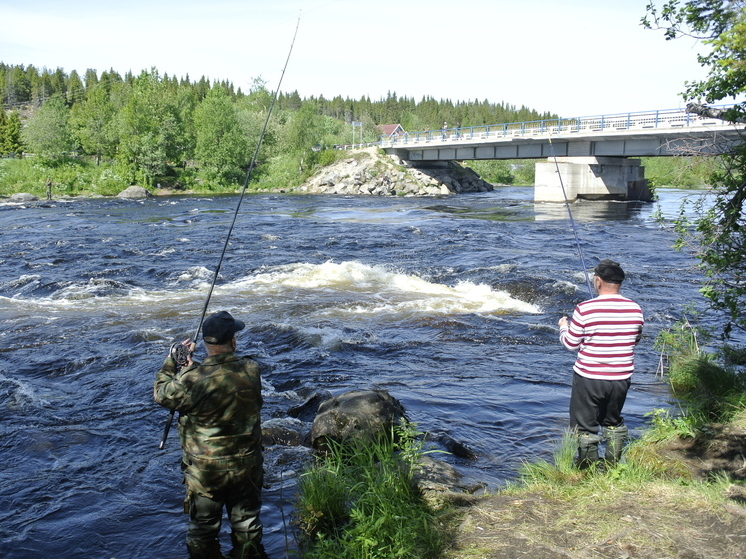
23 197
307 410
355 415
134 192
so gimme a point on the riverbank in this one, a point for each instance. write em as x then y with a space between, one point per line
367 171
674 498
680 490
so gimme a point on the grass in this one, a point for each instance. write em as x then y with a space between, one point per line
647 506
710 386
359 502
70 177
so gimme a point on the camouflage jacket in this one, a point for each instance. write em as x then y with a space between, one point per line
219 403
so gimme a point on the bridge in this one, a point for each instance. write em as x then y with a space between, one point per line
591 157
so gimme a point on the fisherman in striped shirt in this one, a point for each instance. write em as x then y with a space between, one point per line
604 331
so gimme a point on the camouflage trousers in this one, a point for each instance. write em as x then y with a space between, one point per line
236 490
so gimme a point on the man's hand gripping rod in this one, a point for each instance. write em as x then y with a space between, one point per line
181 352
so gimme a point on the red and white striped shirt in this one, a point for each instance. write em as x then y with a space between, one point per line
605 330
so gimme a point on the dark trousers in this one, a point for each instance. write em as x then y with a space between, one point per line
243 508
595 403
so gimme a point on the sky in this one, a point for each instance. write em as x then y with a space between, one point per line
569 57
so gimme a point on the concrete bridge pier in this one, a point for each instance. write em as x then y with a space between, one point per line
591 178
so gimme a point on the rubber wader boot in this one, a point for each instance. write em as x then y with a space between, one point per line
204 550
245 548
615 439
587 450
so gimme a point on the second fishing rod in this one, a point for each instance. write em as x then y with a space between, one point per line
182 352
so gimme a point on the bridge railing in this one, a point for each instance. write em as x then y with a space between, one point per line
670 118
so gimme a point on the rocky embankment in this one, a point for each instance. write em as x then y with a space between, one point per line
371 172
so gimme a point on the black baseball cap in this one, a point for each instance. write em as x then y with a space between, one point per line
220 328
609 271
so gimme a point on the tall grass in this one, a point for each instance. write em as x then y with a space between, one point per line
359 502
710 386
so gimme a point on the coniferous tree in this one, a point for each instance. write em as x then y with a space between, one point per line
75 90
13 144
3 132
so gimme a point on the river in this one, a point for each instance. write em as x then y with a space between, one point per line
449 303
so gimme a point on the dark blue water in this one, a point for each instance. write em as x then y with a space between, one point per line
451 304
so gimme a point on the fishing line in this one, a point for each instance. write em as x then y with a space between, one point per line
245 184
233 222
572 221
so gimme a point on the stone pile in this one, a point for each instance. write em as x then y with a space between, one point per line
372 172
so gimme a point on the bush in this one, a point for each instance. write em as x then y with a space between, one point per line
680 172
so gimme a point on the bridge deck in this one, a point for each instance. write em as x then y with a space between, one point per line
654 133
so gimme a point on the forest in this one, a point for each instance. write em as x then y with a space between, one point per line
99 133
152 129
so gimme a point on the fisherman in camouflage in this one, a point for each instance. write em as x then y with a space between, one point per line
219 403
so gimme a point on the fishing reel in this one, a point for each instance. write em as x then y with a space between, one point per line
180 352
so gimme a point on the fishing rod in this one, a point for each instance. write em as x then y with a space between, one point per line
181 351
572 221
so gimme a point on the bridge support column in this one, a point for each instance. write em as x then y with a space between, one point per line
591 178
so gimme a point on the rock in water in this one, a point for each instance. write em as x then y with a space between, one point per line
134 192
357 415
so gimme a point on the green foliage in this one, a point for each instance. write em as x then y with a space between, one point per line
303 131
665 425
495 172
680 172
152 129
717 233
93 124
148 128
561 470
524 172
48 134
561 478
222 146
71 177
710 392
11 137
328 156
720 24
359 502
